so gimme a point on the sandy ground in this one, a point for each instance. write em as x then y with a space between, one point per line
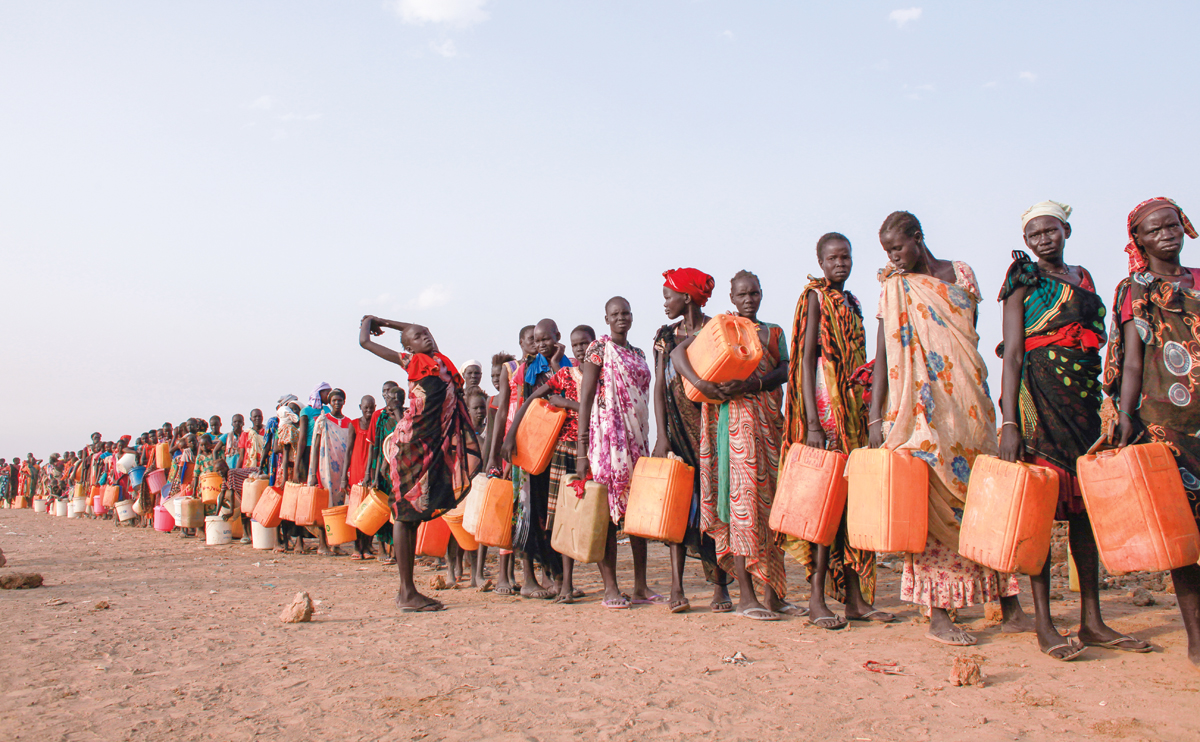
190 647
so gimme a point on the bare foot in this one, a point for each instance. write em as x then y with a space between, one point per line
942 629
1015 620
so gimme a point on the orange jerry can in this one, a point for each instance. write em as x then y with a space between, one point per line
811 495
537 436
291 494
1009 515
495 514
1139 509
727 348
162 456
887 501
310 501
111 493
581 523
266 510
211 485
660 499
433 537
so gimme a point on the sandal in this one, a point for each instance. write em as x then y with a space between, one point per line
791 609
1076 650
759 614
724 606
504 590
652 599
681 606
829 623
877 616
620 603
1140 647
542 594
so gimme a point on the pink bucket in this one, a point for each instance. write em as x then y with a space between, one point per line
156 480
98 505
163 520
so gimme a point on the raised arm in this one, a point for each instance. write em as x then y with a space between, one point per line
371 325
1012 441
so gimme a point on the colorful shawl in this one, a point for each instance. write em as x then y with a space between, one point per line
620 423
939 407
1059 399
739 466
433 452
842 411
333 458
1165 316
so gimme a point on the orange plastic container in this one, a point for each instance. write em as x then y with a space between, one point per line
20 502
433 536
1139 509
495 514
371 513
581 523
111 493
291 494
266 510
211 485
454 519
235 524
811 496
537 436
887 501
353 500
310 501
1009 515
660 498
252 489
727 348
162 455
337 531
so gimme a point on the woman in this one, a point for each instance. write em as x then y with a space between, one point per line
614 428
433 452
333 438
1151 367
685 292
825 409
938 410
739 461
1053 330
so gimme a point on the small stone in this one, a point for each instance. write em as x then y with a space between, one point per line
437 582
1141 596
897 567
20 581
3 561
965 671
1056 595
101 606
300 611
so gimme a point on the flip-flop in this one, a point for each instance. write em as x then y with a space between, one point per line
936 638
791 609
759 614
564 599
876 616
427 608
504 590
829 623
724 606
621 603
654 599
542 594
368 557
1114 644
356 557
682 606
1076 650
389 562
577 594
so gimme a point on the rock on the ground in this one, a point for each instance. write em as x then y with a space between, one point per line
3 561
437 582
965 671
1141 596
20 580
992 612
300 611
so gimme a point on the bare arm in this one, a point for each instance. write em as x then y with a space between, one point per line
683 365
879 390
662 444
373 326
499 423
1012 443
587 397
815 436
1131 385
509 447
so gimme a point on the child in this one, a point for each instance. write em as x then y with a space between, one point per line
433 452
360 456
333 438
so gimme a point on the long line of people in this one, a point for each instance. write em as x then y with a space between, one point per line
924 394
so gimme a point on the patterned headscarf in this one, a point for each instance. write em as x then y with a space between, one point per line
1137 257
1061 212
694 283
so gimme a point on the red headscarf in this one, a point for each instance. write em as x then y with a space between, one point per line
1137 258
694 283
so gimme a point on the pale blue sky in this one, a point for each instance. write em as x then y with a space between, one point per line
199 200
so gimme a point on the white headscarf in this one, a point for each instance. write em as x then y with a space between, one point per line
1061 212
469 364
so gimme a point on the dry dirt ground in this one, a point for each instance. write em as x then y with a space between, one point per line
190 647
